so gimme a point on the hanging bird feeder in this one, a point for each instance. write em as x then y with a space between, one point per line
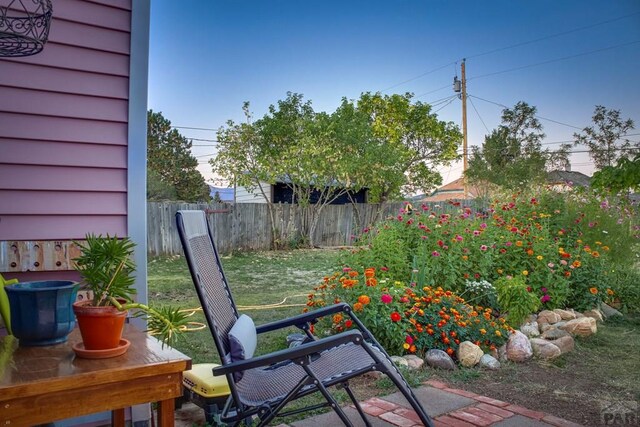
24 26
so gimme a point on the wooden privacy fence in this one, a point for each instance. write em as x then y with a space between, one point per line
245 226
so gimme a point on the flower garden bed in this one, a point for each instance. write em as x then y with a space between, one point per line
465 284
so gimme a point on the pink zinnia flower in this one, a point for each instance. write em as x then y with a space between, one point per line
483 225
476 232
346 269
435 253
386 298
551 265
483 247
545 298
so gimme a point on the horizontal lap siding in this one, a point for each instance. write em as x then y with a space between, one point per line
54 153
63 127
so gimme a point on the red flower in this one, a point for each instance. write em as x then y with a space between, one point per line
348 323
395 316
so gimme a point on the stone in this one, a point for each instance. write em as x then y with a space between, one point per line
583 327
489 362
400 361
502 353
548 316
546 326
560 324
530 329
439 359
565 314
565 344
519 347
414 362
469 354
554 334
595 313
609 311
544 349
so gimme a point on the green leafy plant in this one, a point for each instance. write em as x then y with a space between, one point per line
515 299
107 269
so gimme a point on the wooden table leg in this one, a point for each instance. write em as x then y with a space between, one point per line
166 413
117 417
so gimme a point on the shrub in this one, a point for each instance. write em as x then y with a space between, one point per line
516 299
480 293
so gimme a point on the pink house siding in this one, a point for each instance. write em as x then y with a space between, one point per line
64 123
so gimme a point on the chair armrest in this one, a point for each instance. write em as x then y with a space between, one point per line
303 318
291 353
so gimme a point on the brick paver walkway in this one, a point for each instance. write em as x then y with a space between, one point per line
448 407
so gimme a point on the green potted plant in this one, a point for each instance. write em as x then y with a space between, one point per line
107 269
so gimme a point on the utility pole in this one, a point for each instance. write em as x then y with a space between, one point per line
465 153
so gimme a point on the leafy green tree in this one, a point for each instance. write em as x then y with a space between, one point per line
512 155
622 177
171 168
407 144
606 138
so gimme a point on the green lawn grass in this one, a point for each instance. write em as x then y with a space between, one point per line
255 279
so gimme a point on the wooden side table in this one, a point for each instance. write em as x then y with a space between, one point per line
45 384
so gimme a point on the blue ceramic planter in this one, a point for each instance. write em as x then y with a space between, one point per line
41 312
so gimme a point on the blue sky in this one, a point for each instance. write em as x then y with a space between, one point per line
209 56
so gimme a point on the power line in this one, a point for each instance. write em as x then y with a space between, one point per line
563 33
452 99
420 76
555 60
479 116
435 90
540 117
193 128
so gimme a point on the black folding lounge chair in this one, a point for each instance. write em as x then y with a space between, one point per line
271 381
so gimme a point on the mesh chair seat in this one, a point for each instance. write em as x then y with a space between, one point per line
265 385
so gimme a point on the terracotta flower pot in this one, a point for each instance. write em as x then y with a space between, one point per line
100 327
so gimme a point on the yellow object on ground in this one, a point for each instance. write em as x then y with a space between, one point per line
4 302
200 380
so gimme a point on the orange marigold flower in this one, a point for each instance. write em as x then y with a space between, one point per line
605 248
498 333
610 292
412 349
337 318
519 243
364 299
353 273
529 252
369 272
357 307
595 254
594 291
577 263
